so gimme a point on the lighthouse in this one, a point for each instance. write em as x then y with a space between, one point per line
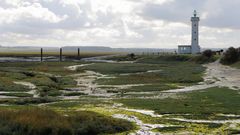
194 48
195 33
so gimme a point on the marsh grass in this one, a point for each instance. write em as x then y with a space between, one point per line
35 121
152 87
43 75
169 129
28 101
205 102
74 94
17 94
190 73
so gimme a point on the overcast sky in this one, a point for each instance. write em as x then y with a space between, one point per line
118 23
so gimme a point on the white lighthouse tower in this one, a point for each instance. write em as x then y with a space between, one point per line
194 48
195 34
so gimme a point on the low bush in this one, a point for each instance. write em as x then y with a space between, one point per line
230 56
207 56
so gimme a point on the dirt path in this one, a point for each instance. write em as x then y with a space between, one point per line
216 75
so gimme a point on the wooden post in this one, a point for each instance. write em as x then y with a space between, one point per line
41 54
78 53
60 54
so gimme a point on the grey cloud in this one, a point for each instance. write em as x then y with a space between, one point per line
219 13
135 27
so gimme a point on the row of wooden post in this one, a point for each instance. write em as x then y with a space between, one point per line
60 54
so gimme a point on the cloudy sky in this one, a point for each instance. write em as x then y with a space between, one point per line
118 23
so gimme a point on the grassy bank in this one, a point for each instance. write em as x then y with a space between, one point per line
209 101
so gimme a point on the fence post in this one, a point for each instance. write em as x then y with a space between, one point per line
60 54
41 54
78 53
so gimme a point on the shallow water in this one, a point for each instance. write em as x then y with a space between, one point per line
27 59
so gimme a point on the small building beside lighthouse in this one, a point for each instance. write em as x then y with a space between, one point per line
194 48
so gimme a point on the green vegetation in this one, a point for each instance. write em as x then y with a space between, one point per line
169 129
28 101
205 102
92 114
6 85
163 59
152 87
207 56
231 56
236 65
74 94
31 68
49 77
34 121
129 57
17 94
150 70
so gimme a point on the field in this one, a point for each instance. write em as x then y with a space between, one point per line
168 94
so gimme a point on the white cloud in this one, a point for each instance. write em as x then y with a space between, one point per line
117 23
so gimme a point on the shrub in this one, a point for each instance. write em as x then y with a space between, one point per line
206 57
208 53
231 56
90 123
33 122
132 55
